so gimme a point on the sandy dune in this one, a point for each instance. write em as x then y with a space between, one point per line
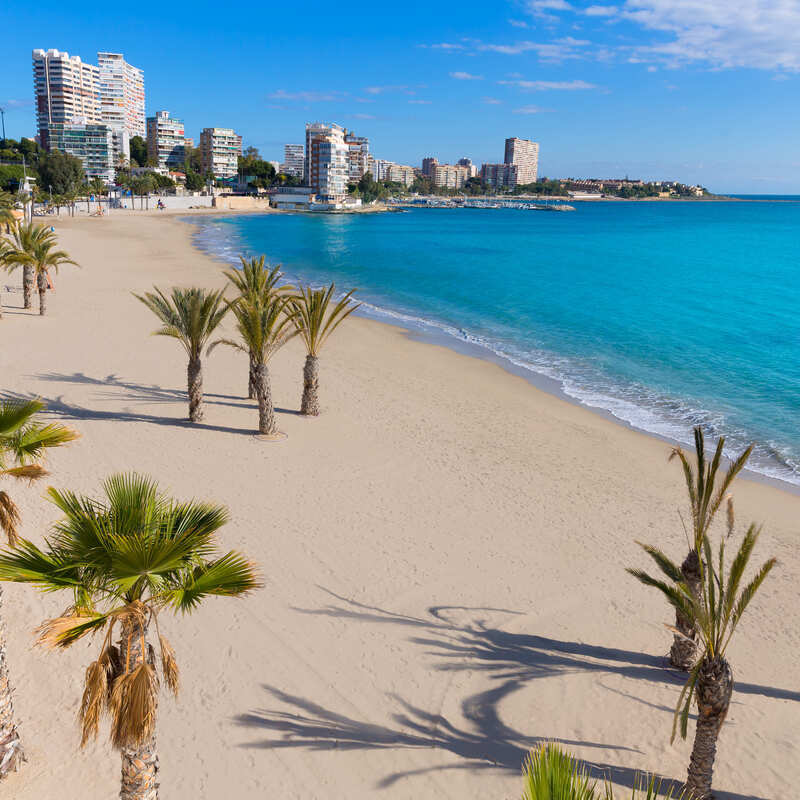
443 550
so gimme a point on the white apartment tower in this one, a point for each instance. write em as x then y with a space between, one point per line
524 154
293 160
121 88
65 89
220 149
326 162
166 145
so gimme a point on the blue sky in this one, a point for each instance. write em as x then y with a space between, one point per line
694 90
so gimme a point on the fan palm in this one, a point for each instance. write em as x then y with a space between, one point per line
264 325
714 613
190 316
34 249
23 441
705 499
125 559
316 318
254 280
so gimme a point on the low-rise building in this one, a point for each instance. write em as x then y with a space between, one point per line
292 198
166 142
220 149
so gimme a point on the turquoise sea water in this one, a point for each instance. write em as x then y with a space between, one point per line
664 314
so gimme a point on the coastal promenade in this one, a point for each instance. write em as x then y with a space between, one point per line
443 553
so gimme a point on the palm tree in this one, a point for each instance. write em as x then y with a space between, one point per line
7 204
124 559
316 319
34 249
254 280
190 316
705 499
714 614
23 441
264 325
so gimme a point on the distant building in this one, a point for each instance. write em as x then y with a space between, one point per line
400 173
65 89
166 143
293 160
467 162
427 166
326 162
292 197
121 88
188 143
450 176
92 142
523 153
220 149
500 176
357 156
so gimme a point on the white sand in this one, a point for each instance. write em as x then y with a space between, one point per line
444 555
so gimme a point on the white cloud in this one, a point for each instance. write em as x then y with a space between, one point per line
363 116
518 23
420 102
532 110
306 97
756 34
557 51
543 86
465 76
445 46
601 11
492 101
384 89
18 103
762 34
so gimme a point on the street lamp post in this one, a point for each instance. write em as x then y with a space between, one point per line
3 115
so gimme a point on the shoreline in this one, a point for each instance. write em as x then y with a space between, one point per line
443 552
427 332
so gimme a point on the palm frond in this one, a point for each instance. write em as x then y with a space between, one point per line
230 575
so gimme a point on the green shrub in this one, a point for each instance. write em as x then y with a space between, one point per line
550 773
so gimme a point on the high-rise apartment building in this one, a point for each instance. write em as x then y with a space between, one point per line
293 160
166 144
327 162
220 149
121 90
467 162
427 166
93 143
499 176
524 154
66 89
401 173
450 176
357 156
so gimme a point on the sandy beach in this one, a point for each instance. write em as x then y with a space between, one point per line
443 553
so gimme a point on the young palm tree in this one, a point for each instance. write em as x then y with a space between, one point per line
125 559
316 318
705 499
34 249
714 614
190 316
23 441
254 280
264 325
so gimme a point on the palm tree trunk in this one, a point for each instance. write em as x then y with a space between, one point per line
683 650
11 755
714 689
27 285
266 411
195 381
310 402
139 779
251 379
41 285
